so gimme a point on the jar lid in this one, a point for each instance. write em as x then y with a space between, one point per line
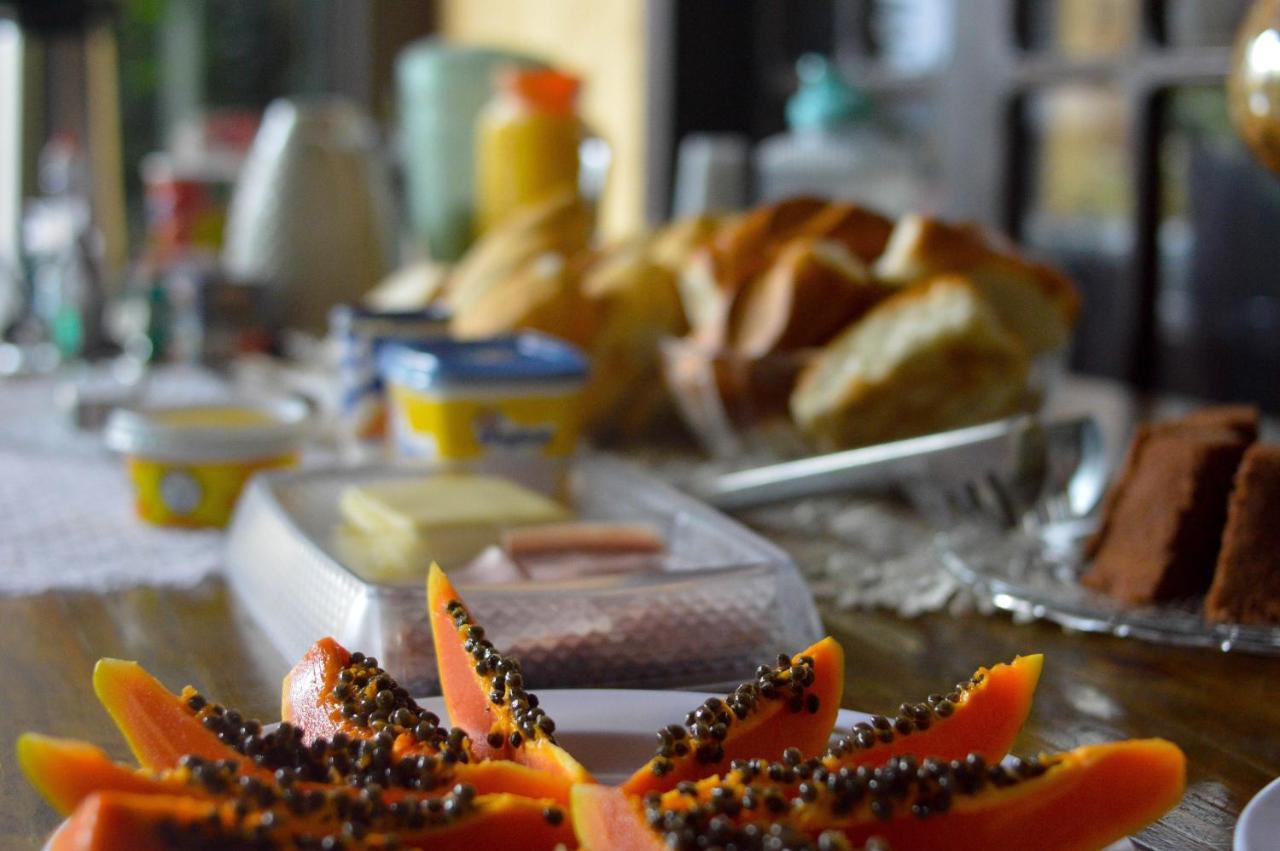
825 100
217 432
542 89
520 358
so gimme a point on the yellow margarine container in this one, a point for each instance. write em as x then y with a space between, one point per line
189 463
508 405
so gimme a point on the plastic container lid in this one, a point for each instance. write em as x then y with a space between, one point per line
347 318
824 100
516 359
226 432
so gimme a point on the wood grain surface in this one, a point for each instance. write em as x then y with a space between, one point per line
1220 708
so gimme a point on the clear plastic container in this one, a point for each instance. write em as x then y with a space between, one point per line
726 601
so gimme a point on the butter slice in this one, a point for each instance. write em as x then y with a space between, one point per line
402 524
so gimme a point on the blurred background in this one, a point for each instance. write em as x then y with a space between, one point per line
1095 132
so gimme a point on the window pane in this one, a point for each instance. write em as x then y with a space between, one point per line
1201 22
911 36
1076 206
1219 308
1079 29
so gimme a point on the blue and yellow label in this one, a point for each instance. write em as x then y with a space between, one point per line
459 429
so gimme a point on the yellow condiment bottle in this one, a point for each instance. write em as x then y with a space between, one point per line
527 143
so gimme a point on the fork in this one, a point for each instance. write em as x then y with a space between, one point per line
997 470
1050 474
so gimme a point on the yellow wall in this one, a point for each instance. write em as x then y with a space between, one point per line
605 43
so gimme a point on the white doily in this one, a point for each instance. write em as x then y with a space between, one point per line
66 506
865 552
856 552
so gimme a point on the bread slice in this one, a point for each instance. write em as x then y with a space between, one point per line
742 248
862 232
1034 301
812 291
561 225
931 358
638 305
1246 582
672 244
542 295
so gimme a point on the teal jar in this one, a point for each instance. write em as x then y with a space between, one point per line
442 88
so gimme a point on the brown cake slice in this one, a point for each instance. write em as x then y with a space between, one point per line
1165 521
1246 584
1241 419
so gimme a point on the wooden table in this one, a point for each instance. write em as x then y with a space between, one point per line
1221 708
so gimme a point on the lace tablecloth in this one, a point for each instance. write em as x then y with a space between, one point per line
66 517
66 506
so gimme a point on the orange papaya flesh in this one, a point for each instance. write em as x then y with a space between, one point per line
332 691
159 726
792 705
484 690
982 715
605 818
65 772
1081 799
118 821
162 729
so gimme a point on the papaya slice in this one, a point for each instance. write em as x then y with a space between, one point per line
162 728
484 690
1081 799
119 821
789 705
332 691
65 772
604 819
982 715
159 726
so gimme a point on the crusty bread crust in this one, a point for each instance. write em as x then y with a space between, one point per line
561 225
930 358
543 295
1035 301
814 289
862 232
742 248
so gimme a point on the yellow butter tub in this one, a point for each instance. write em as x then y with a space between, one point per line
189 463
507 405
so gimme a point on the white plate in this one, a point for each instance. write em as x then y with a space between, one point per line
613 731
1259 824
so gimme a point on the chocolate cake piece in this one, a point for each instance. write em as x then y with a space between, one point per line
1165 521
1246 583
1241 419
